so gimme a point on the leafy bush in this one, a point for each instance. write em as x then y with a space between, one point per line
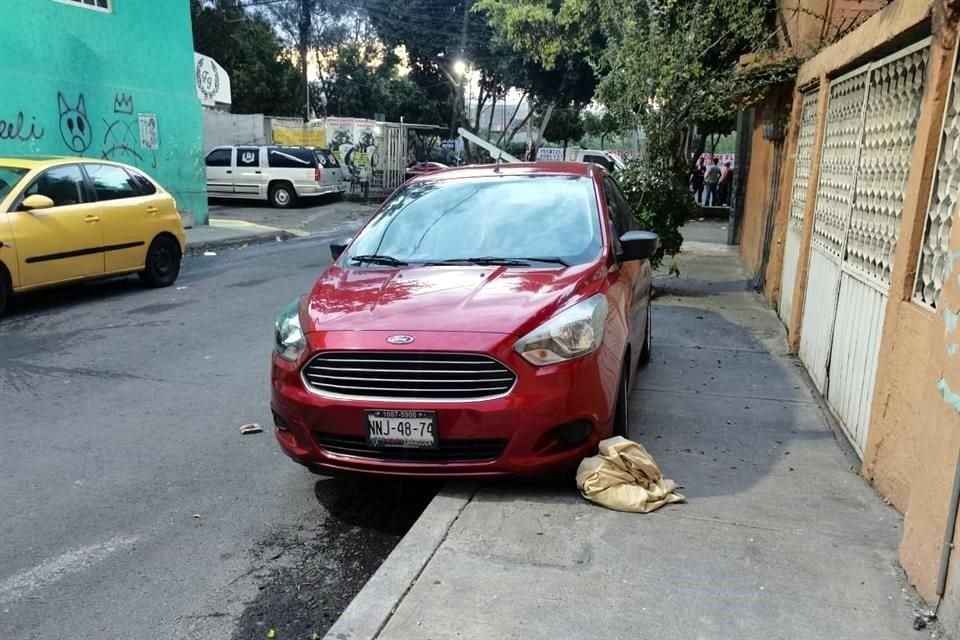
660 201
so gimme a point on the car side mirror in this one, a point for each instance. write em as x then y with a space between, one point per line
337 247
638 245
36 201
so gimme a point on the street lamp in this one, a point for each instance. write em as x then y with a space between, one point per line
459 67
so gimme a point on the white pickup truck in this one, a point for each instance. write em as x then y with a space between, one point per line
609 161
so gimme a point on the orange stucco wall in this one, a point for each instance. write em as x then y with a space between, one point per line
911 453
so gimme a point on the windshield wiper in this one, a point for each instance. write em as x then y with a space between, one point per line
376 258
499 262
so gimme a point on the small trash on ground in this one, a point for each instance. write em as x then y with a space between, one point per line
272 633
209 253
196 515
180 288
625 477
248 429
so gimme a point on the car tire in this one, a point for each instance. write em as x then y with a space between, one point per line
282 196
5 291
647 348
621 418
162 266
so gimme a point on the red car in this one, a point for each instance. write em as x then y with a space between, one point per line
487 321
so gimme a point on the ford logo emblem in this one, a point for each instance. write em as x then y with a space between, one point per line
400 339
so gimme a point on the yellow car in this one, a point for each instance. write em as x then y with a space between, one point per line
69 219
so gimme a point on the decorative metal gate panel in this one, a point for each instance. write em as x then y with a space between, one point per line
798 201
838 173
945 195
393 159
855 239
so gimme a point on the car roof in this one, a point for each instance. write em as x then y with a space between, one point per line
515 169
35 162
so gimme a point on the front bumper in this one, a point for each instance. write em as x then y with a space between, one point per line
532 421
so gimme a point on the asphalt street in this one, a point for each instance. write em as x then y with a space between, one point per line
130 504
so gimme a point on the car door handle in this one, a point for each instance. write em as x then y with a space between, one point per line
258 172
229 171
92 219
152 210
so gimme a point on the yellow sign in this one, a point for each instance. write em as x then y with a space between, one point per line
303 136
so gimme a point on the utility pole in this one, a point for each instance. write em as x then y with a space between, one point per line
306 18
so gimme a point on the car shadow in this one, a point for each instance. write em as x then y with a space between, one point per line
387 505
65 296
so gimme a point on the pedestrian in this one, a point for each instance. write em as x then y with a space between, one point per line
726 181
696 181
712 181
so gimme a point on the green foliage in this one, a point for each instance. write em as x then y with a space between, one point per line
601 125
364 80
263 79
660 201
565 126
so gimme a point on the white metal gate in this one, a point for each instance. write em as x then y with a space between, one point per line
798 201
392 161
870 129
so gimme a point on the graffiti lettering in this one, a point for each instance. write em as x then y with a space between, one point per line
14 129
75 129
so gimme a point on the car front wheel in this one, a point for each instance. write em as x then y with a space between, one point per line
621 420
163 262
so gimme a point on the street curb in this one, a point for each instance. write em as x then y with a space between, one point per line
372 608
260 237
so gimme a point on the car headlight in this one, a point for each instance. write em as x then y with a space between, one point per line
290 342
570 334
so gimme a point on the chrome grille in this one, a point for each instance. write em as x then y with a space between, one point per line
408 375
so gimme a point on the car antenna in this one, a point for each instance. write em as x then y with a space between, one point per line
496 168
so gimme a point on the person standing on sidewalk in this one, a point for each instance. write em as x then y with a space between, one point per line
696 181
726 179
712 181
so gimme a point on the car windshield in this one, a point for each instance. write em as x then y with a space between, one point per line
498 218
9 177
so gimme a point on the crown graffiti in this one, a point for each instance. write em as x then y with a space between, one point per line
122 103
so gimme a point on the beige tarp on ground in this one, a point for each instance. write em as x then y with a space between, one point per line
625 477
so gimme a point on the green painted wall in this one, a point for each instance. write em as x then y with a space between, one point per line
63 65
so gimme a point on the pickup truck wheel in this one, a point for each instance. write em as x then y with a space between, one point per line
282 196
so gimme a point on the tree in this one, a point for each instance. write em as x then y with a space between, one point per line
601 125
263 79
363 81
565 126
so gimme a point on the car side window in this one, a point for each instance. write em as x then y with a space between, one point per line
110 182
327 160
614 207
218 158
291 158
629 221
248 157
64 185
144 186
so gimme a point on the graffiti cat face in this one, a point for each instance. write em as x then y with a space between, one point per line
74 124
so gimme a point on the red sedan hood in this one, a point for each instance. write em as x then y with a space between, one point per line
465 299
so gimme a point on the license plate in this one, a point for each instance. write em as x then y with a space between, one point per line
413 429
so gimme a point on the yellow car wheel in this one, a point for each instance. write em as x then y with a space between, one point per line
163 262
5 289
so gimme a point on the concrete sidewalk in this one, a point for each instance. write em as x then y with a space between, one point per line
780 538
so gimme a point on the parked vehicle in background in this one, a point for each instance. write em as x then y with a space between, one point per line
487 321
420 168
279 174
69 219
609 161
